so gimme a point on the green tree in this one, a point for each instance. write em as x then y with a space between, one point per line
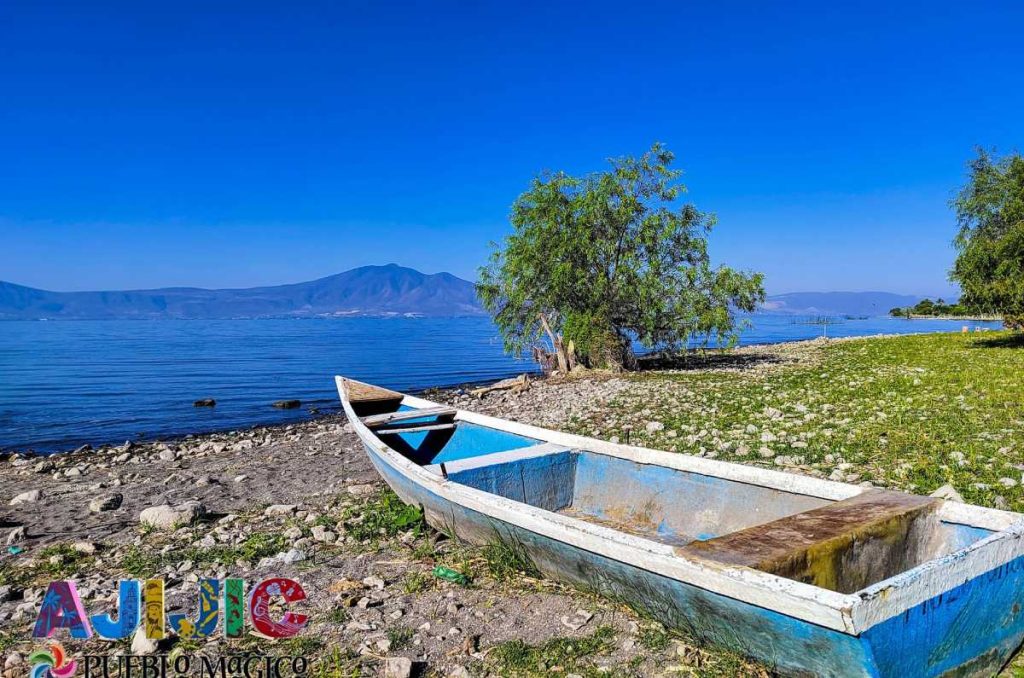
597 261
990 244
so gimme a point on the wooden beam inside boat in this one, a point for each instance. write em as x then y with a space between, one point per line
391 417
843 547
414 428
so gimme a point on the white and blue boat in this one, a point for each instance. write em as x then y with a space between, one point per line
811 577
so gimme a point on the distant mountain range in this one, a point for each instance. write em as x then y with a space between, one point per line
840 303
366 291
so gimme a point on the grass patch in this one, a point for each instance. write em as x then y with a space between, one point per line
417 582
562 655
338 615
399 637
140 562
340 663
653 637
382 516
507 559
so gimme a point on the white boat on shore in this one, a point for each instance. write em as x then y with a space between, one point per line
812 577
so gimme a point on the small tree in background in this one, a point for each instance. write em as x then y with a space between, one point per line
990 263
597 261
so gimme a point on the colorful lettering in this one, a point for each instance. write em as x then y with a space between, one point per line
259 608
153 603
206 618
129 604
234 608
62 609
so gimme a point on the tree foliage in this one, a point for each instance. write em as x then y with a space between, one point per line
990 211
597 261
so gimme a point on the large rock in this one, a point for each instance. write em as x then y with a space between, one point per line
397 667
287 404
106 503
949 493
168 517
27 497
205 402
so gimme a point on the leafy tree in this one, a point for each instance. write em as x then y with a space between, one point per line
990 263
597 261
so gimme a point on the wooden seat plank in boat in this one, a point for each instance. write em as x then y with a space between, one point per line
392 417
414 428
843 546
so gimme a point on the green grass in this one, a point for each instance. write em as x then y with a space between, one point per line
140 562
912 413
399 637
507 560
417 582
516 658
382 516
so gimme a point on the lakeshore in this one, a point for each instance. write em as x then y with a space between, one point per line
920 413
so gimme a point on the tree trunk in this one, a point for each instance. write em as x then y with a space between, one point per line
556 342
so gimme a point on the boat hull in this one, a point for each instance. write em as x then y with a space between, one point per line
791 646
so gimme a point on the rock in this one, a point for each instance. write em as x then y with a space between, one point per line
321 533
280 510
293 533
27 497
205 402
287 404
169 517
6 593
16 535
374 582
84 547
240 478
1007 482
654 426
13 659
460 672
106 503
44 466
361 490
949 493
142 645
167 455
292 556
397 667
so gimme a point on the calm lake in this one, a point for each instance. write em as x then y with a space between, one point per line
65 383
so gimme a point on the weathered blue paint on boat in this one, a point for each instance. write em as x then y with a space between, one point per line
973 628
957 610
692 506
789 645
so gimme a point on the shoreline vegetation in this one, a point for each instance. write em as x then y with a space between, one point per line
929 413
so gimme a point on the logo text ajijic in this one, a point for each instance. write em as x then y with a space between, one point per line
142 602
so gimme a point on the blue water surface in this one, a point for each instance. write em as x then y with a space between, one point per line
65 383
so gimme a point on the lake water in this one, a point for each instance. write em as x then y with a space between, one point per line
65 383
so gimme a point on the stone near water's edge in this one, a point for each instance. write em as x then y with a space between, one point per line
205 402
170 517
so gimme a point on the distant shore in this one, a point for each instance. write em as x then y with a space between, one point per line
973 318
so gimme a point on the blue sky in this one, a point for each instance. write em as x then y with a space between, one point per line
145 145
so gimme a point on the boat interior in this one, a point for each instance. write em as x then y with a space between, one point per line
843 545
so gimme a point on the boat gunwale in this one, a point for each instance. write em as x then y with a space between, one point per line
851 614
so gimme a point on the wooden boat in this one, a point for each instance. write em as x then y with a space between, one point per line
811 577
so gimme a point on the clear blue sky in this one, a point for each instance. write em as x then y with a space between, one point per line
147 145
